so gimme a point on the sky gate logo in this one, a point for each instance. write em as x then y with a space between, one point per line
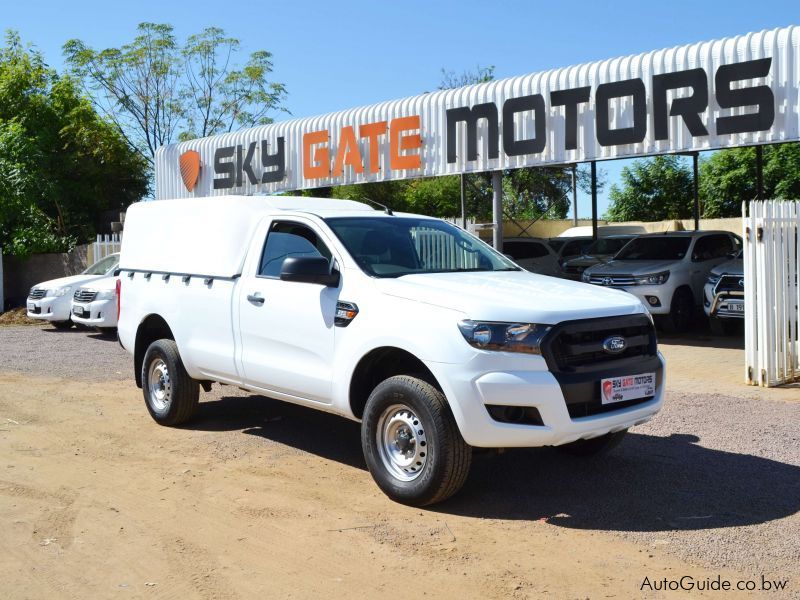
393 148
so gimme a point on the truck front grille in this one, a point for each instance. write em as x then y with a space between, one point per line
612 280
37 294
83 295
575 355
730 283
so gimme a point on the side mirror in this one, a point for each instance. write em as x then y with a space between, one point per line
309 269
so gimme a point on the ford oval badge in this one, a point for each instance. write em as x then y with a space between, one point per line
614 344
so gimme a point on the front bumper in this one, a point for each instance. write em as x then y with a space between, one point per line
54 308
723 305
662 293
472 389
99 313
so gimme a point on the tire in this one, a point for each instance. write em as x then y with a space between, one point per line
434 460
681 309
595 446
171 396
62 325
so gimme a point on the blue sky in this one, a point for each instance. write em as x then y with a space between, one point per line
336 55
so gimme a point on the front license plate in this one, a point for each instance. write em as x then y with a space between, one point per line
77 311
629 387
31 307
736 307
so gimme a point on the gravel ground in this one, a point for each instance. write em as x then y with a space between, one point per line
714 479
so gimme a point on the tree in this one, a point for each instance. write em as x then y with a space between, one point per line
451 79
729 178
653 190
156 91
60 162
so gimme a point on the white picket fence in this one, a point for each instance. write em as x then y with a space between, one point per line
771 274
105 245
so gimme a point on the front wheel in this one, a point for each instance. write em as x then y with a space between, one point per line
595 446
679 319
171 396
411 442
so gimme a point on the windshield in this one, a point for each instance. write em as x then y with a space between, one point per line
397 246
655 248
103 266
607 246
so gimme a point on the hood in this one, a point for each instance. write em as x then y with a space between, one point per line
731 267
72 282
103 283
633 267
512 296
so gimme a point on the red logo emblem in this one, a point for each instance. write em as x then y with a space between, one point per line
608 389
190 168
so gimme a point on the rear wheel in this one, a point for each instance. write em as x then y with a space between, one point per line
595 446
679 319
411 442
171 396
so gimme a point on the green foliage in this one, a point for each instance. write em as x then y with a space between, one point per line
653 190
451 79
729 178
60 163
156 91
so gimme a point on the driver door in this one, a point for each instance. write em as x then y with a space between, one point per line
287 327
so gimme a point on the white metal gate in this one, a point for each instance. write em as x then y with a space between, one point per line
105 245
771 272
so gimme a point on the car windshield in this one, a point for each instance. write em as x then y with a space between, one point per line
655 248
607 246
103 266
397 246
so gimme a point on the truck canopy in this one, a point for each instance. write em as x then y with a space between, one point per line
206 236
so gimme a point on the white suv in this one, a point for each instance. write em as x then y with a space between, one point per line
667 271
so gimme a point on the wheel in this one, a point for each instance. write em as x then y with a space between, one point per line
411 442
679 319
170 394
62 325
595 446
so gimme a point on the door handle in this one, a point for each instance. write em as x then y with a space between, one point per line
255 299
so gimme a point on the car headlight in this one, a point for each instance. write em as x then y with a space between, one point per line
105 295
507 337
654 279
713 279
586 277
57 292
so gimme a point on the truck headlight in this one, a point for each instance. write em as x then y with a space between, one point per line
507 337
106 294
57 292
713 279
654 279
586 277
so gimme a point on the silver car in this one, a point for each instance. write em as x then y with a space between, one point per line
667 271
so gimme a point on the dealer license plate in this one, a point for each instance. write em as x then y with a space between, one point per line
31 307
77 311
629 387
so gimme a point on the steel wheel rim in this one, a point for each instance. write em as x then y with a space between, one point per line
402 442
159 385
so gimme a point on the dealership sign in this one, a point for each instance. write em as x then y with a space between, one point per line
732 92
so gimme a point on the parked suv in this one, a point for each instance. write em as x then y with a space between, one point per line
600 251
532 254
723 296
667 271
430 338
50 300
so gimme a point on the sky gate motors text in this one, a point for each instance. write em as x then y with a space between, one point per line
759 99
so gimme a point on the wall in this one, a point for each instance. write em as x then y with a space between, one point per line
19 276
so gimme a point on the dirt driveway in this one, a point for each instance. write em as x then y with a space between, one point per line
257 498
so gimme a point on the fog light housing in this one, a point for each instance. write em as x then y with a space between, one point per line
653 300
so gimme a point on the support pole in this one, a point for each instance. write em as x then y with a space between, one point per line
463 203
696 193
594 200
497 209
760 172
575 195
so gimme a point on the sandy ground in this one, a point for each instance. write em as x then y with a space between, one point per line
257 498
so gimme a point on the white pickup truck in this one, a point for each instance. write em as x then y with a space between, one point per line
432 339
